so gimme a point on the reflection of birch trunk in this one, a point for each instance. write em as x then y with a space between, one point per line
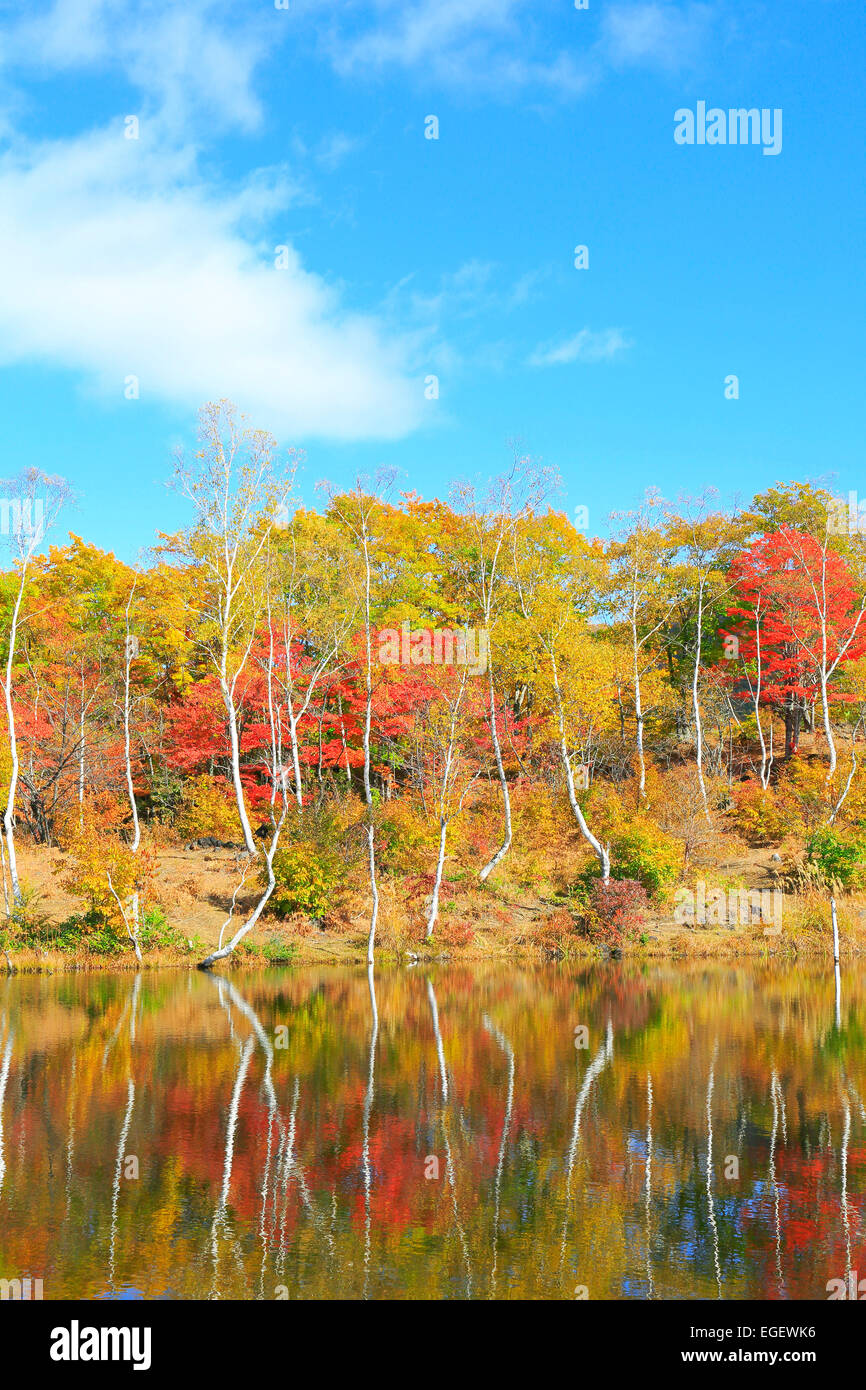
710 1200
286 1164
4 1077
596 1066
132 1004
219 1219
449 1158
368 1106
648 1184
118 1168
443 1075
70 1132
836 966
506 1125
846 1219
775 1094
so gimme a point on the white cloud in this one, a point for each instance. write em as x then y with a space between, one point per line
584 346
511 46
118 261
471 44
655 34
188 61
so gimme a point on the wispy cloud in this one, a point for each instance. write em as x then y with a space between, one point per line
585 346
470 44
511 47
192 62
655 33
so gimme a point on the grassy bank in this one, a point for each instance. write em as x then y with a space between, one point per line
501 920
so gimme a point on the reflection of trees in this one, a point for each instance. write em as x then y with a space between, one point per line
594 1070
130 1008
306 1164
506 1125
368 1106
450 1171
5 1062
711 1206
286 1164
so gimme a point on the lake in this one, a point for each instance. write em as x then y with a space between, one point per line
614 1131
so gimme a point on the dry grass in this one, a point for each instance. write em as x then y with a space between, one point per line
519 912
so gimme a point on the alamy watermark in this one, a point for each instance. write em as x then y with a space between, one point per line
466 646
738 907
736 126
19 1290
847 518
23 518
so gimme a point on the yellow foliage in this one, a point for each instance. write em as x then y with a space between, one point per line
94 856
207 807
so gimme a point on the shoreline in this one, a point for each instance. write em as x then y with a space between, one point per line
503 923
671 944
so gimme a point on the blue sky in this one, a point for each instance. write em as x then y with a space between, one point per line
407 257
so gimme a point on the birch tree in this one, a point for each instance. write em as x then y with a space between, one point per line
640 596
29 505
356 511
239 493
488 527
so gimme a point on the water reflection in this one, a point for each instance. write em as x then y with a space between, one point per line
335 1133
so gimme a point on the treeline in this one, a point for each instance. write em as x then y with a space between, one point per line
273 662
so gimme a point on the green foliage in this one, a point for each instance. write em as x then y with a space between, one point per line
157 934
86 931
643 852
166 794
276 949
837 859
310 869
27 923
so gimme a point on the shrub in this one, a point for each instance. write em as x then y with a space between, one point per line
157 934
761 817
307 880
403 838
166 795
93 856
836 859
310 867
806 792
454 933
613 908
646 853
27 924
207 807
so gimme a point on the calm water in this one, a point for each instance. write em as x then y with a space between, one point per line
293 1134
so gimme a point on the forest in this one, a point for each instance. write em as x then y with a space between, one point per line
416 726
